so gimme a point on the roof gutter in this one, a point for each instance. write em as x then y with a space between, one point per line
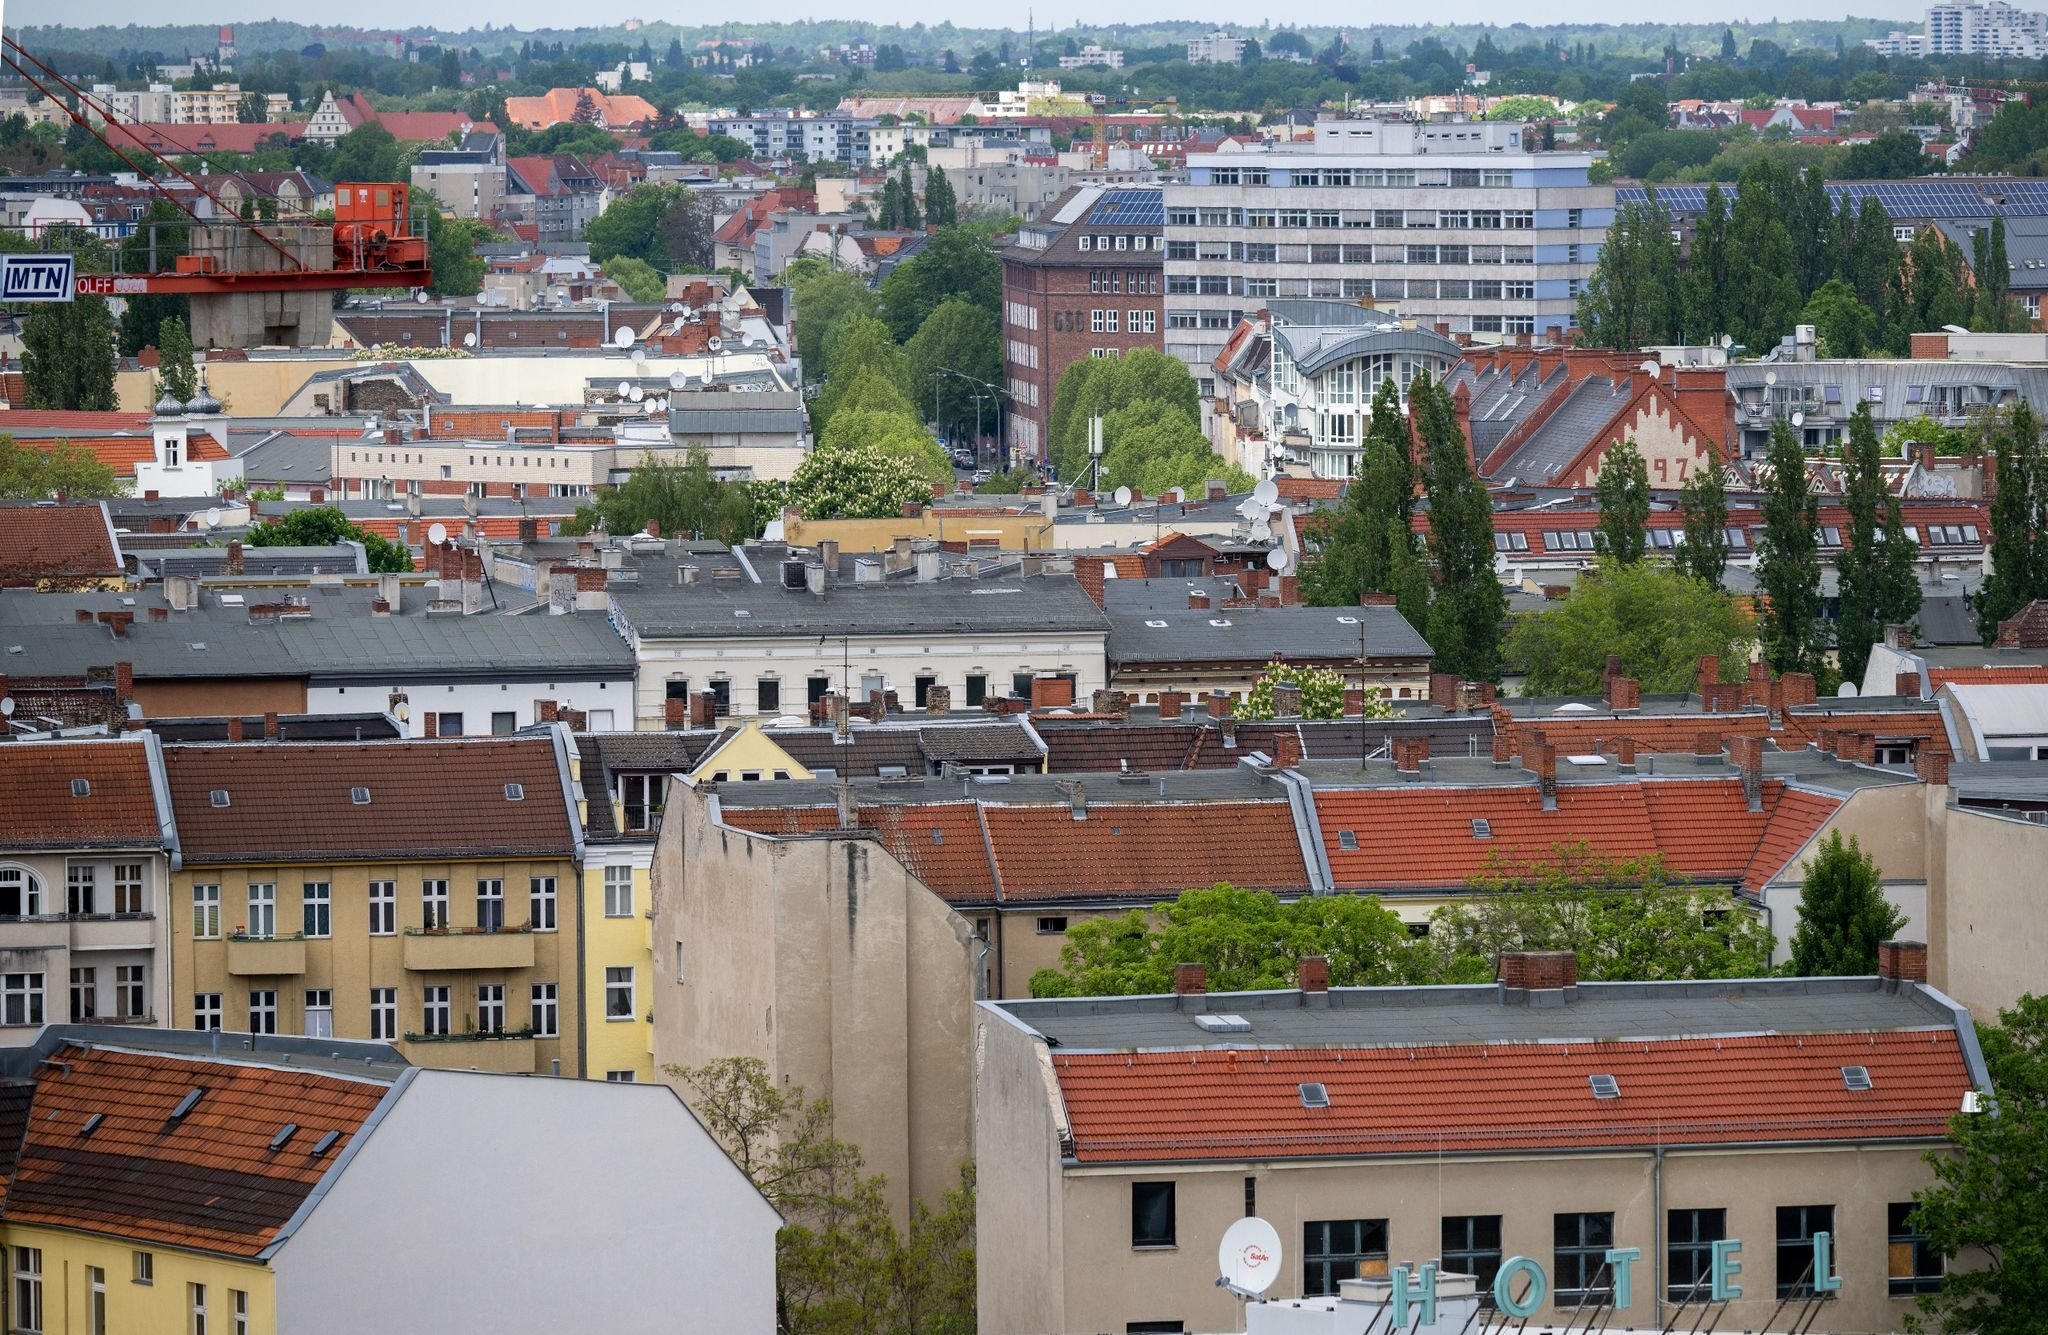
564 744
160 793
1966 1033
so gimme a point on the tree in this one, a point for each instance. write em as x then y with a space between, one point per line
1989 266
1704 292
367 153
955 352
636 276
1843 324
1788 561
1728 46
1467 617
1322 693
1878 583
325 525
1623 492
1989 1195
1763 283
1152 446
686 228
859 342
941 205
1892 156
39 473
906 201
893 435
67 356
630 226
1703 501
682 499
841 1265
1931 277
2018 556
1843 914
176 375
252 109
956 262
825 298
848 482
1629 300
451 69
1356 553
1092 386
1659 621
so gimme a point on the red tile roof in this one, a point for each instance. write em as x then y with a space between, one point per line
47 541
1795 819
118 811
559 105
1092 571
209 1180
186 140
59 419
2015 674
1140 851
1466 1098
428 799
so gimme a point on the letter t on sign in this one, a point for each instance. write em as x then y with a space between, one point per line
1619 1259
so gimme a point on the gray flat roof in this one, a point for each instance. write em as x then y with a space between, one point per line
993 604
1241 784
1407 1016
1142 630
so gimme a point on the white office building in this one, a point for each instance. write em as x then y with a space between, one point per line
1218 48
1457 225
1992 28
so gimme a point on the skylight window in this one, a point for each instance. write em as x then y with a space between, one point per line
1604 1086
1223 1024
186 1104
325 1143
92 1124
284 1134
938 835
1856 1077
1482 828
218 797
359 796
1219 622
1348 840
1315 1095
81 787
515 792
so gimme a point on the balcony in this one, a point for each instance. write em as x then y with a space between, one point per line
265 956
113 931
510 1051
39 931
468 948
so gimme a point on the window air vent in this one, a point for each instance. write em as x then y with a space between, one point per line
1224 1024
92 1124
1604 1086
325 1143
1482 828
1347 840
515 792
186 1104
81 787
1855 1077
359 796
218 797
285 1133
938 835
1314 1095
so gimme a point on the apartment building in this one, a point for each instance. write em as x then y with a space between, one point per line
1992 28
1093 56
1084 279
421 893
775 133
620 793
84 874
1218 48
1782 1124
1458 225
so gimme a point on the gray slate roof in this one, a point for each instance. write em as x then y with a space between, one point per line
1563 436
1006 601
1142 631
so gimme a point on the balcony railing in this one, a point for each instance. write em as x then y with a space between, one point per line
258 956
473 1036
461 948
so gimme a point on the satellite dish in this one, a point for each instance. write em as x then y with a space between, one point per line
1249 1257
1727 342
1770 377
1798 419
639 354
636 393
624 386
437 534
679 380
7 707
624 338
1277 560
714 343
1266 492
420 295
211 518
469 339
1649 368
1123 495
1847 690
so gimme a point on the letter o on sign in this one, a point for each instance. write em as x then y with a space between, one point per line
1504 1284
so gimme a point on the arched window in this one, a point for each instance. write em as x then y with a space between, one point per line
21 893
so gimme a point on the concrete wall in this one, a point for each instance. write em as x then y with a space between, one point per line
249 389
477 701
829 961
1108 1283
1891 824
1020 1222
1988 937
262 319
608 1207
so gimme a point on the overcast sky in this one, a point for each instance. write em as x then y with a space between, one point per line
534 13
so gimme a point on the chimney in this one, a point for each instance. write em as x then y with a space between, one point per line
234 566
1624 693
270 726
379 608
828 555
529 529
1522 973
150 495
1707 744
1198 600
1216 488
235 728
1931 766
124 681
1220 705
1906 684
675 714
81 614
1051 692
430 725
1503 745
1077 800
938 700
1170 703
1747 755
472 581
1312 976
1443 691
1800 689
1897 962
1354 701
181 592
1625 755
1709 673
1286 700
590 589
1540 759
1286 749
159 614
878 706
118 622
1410 753
561 590
391 589
703 709
653 529
835 711
546 711
1190 980
1898 637
849 811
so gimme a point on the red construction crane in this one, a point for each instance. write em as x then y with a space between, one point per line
371 242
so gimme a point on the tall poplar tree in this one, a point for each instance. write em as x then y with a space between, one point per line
1631 299
67 356
1468 617
1703 500
1878 584
1358 552
1788 561
1705 289
1763 282
1623 491
2018 557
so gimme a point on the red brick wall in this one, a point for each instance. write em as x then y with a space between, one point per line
1057 288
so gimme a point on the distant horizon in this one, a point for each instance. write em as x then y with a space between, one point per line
540 14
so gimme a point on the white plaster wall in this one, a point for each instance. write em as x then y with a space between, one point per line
517 1204
477 701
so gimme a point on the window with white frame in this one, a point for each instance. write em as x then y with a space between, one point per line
384 1012
490 1008
435 1011
27 1315
490 904
433 904
85 992
198 1292
128 888
205 1010
263 1011
619 1077
205 911
21 998
239 1302
95 1300
618 892
618 993
383 908
21 893
318 899
262 909
540 911
81 885
131 997
544 1014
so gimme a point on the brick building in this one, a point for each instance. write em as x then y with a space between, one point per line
1083 280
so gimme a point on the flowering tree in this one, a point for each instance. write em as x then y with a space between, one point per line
848 482
1322 693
